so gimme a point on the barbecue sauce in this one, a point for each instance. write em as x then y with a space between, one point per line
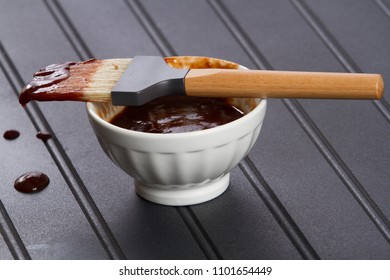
11 134
31 182
175 114
55 82
44 136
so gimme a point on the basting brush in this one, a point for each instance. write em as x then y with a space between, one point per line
144 78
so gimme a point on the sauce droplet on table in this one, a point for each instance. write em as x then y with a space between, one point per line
11 134
44 136
32 182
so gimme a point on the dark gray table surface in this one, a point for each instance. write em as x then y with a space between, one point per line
315 186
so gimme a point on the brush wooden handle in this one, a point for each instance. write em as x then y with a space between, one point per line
282 84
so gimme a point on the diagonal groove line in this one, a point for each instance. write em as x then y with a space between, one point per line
384 7
338 51
68 29
11 236
249 169
193 224
329 153
277 209
150 27
64 164
199 233
341 169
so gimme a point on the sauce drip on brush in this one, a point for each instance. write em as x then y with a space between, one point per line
58 82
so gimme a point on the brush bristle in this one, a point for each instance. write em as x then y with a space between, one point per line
90 81
104 79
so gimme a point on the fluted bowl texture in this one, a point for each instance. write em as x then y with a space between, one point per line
169 164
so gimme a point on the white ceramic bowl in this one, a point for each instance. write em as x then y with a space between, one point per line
180 168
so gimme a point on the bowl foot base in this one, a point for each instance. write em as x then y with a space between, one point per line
187 196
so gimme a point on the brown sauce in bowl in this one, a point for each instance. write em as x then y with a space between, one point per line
176 114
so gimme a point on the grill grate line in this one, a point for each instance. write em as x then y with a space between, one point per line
323 145
11 237
338 51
